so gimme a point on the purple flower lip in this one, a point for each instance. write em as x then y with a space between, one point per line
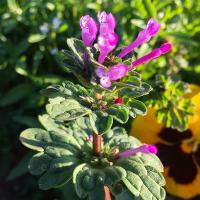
118 71
114 73
144 36
146 149
89 29
152 27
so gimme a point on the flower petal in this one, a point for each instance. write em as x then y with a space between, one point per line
143 36
100 72
152 27
107 39
165 48
89 29
118 71
105 82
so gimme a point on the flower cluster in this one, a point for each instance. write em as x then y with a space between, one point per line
107 41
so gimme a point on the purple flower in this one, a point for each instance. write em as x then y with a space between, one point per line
144 36
89 30
107 39
166 47
147 149
114 73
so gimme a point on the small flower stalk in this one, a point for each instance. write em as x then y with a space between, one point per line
107 41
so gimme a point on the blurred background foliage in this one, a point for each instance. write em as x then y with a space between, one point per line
32 33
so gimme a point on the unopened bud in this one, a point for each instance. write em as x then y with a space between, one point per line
98 96
115 151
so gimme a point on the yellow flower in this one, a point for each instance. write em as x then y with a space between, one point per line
178 151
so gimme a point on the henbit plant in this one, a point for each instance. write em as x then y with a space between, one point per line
79 146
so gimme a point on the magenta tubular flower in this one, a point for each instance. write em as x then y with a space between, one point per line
89 30
165 48
107 39
144 36
114 73
147 149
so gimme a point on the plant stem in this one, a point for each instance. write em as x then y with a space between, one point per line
97 146
107 193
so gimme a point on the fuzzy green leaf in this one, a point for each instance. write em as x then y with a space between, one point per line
38 139
66 109
77 47
39 163
120 113
54 179
78 174
144 89
101 122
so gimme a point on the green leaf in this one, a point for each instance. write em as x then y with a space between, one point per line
37 139
51 125
59 152
100 122
138 168
113 174
66 109
50 91
120 113
78 175
33 38
124 142
133 183
136 106
16 94
77 47
136 92
39 163
63 162
132 81
54 179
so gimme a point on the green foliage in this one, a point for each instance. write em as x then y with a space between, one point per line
70 101
22 62
67 158
171 107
